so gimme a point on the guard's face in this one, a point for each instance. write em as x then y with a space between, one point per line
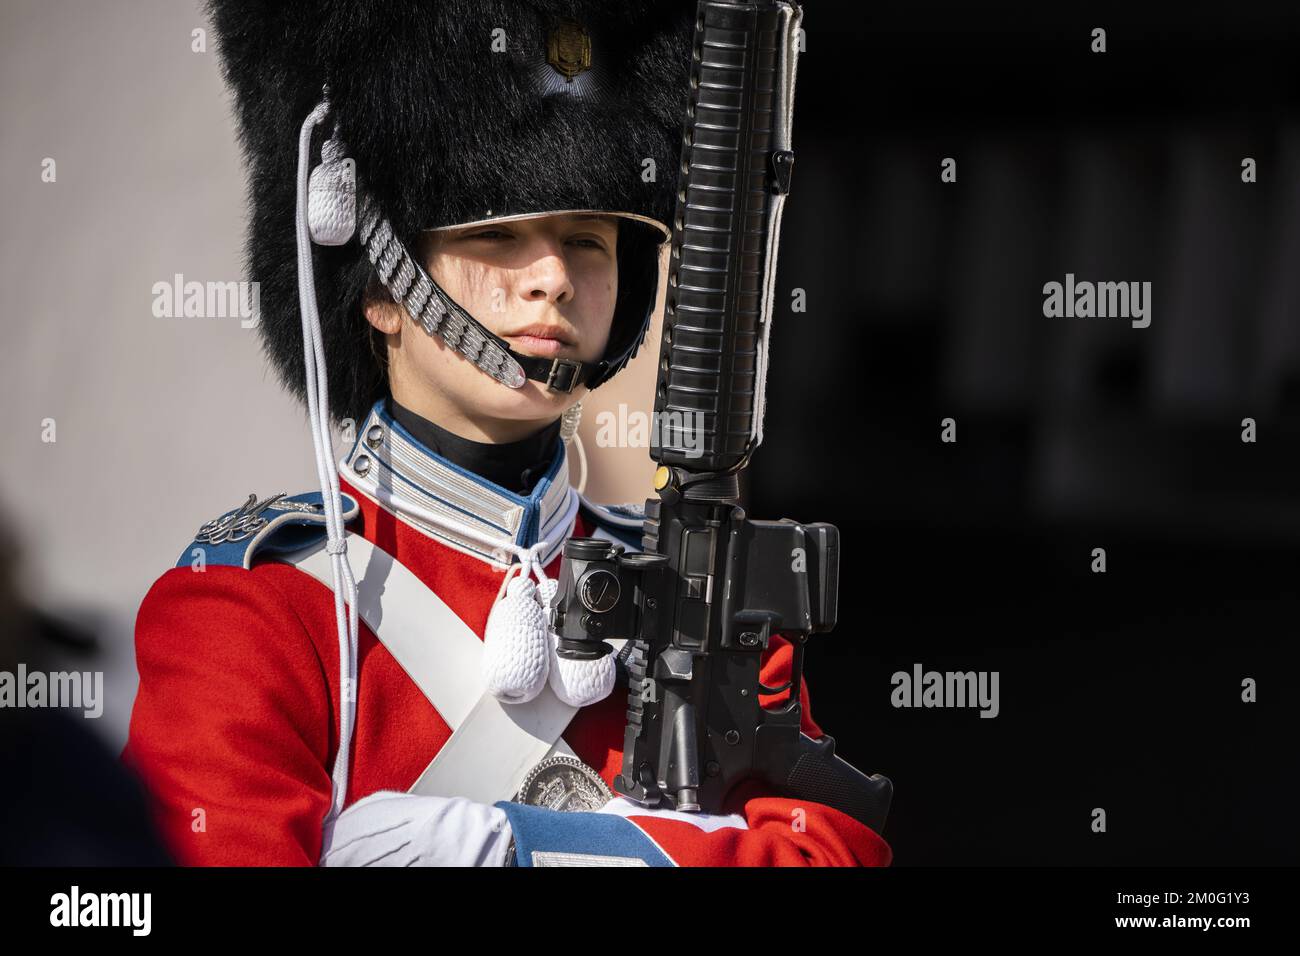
546 285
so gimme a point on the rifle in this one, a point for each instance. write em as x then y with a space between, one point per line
711 587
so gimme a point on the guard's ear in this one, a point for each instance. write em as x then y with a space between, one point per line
379 308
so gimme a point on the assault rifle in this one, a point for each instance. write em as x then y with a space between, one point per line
701 603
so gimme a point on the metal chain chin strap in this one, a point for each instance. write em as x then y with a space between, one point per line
426 302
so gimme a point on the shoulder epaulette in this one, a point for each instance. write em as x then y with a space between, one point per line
279 524
620 523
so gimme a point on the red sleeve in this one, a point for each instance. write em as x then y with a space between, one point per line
778 832
233 718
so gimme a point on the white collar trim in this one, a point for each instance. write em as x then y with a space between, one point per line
457 507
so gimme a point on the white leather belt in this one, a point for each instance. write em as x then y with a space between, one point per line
493 745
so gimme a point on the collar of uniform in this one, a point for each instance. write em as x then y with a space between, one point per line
388 464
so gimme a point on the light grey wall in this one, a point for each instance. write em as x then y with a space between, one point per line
160 423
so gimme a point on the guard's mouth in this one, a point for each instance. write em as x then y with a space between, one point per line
544 341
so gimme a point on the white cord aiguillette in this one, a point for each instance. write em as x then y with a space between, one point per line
317 386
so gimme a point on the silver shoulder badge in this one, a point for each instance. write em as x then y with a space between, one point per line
239 524
564 783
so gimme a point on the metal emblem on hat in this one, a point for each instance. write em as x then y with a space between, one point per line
568 49
564 783
239 524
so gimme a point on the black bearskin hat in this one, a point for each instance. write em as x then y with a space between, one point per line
455 111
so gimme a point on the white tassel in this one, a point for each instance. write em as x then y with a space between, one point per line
516 652
520 649
332 195
579 683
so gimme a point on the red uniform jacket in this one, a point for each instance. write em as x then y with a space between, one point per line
235 726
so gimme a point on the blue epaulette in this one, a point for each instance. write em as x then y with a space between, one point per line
620 523
279 525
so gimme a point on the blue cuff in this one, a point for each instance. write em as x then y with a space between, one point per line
545 837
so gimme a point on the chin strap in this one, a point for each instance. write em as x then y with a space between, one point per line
440 315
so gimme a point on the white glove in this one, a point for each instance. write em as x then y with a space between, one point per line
389 828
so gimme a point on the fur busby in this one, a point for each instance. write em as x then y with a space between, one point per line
455 111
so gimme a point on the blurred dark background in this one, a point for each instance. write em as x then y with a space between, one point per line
65 799
924 301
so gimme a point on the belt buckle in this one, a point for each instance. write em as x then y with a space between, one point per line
565 783
555 374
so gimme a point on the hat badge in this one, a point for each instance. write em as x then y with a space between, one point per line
568 49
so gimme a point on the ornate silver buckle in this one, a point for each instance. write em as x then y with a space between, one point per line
572 372
561 782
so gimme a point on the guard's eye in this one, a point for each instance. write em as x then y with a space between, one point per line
499 235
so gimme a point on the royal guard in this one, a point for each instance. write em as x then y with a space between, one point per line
458 215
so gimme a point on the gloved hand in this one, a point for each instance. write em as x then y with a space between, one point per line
390 828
